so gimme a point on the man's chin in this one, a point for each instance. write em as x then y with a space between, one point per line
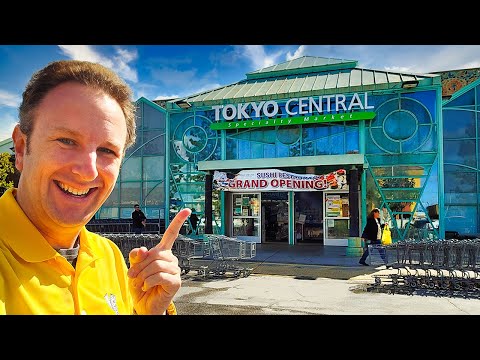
73 221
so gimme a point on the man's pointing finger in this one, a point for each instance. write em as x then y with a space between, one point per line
173 229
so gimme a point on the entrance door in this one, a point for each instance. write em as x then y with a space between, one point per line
246 216
309 217
275 216
337 218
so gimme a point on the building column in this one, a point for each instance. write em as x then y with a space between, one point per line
208 203
353 202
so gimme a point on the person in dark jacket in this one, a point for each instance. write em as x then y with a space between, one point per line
139 220
372 234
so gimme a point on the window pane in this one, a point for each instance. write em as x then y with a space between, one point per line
108 213
126 213
154 142
257 151
154 193
153 118
244 149
231 149
113 199
154 213
132 169
154 168
460 152
458 124
352 146
460 182
462 219
337 144
466 99
130 194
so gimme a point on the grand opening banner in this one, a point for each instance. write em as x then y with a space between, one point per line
278 180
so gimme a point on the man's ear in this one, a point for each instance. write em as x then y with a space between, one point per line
20 145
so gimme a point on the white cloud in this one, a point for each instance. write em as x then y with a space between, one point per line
7 123
166 97
399 69
473 64
258 57
118 63
205 87
301 51
403 58
173 77
9 99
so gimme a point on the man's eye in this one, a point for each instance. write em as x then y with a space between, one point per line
66 141
107 151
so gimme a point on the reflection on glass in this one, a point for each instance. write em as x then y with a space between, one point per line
245 227
131 169
246 205
338 228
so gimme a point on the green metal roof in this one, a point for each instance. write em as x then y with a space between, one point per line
302 65
6 145
307 76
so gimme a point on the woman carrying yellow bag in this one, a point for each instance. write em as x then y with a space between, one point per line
372 235
386 235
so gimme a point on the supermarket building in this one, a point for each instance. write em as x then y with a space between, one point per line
300 152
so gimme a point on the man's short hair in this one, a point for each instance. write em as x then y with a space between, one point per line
87 73
136 205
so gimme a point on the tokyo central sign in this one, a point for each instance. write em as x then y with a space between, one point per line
327 108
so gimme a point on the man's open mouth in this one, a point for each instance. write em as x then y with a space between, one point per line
73 191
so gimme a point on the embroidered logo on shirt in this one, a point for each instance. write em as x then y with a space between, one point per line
112 302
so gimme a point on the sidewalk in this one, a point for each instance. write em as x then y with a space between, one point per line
308 261
306 254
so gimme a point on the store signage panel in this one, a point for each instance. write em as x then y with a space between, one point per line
278 180
292 121
306 110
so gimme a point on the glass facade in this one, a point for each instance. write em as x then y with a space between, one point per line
401 172
142 175
461 116
401 149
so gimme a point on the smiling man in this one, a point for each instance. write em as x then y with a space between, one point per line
76 121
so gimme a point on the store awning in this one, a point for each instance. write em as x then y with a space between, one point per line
340 160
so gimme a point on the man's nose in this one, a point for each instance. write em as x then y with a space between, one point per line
86 166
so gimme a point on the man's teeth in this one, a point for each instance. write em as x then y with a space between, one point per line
72 190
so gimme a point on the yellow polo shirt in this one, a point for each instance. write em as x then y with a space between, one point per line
36 279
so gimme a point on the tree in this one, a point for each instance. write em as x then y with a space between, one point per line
7 170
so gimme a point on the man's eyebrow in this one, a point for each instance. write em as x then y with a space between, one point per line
75 133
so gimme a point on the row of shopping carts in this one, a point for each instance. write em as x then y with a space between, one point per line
433 264
223 254
126 242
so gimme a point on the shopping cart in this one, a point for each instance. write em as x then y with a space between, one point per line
187 249
127 242
226 253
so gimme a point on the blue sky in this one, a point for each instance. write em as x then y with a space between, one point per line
156 71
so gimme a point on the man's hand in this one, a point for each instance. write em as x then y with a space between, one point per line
154 275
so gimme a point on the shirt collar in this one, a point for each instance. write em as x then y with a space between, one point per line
19 232
24 238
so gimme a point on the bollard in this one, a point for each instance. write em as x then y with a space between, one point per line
355 246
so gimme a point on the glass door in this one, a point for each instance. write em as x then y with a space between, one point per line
337 218
246 216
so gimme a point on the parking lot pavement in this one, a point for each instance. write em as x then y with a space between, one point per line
281 294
